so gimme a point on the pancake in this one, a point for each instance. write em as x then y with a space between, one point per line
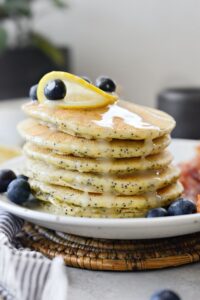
132 184
85 164
80 198
122 120
65 209
60 142
63 200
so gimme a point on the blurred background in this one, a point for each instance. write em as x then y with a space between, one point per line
146 45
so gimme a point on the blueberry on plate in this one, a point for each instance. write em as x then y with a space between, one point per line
106 84
6 176
165 295
86 79
55 90
157 212
33 92
182 207
18 191
21 176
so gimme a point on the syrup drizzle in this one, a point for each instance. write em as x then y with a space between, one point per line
128 117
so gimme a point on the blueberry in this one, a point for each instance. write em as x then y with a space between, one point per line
33 92
21 176
6 176
165 295
55 90
86 79
182 207
157 212
18 191
106 84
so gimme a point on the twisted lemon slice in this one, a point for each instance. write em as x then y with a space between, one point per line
79 93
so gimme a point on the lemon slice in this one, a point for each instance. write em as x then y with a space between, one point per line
80 93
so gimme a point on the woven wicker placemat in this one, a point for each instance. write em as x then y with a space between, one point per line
112 255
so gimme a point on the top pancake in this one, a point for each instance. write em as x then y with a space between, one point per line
122 120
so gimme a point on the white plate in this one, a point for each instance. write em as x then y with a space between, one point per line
140 228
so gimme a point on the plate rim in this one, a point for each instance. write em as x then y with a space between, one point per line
103 222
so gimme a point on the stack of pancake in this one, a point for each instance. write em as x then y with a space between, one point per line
104 162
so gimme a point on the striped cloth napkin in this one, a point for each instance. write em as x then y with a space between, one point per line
26 274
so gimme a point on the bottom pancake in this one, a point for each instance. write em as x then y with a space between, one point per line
67 201
76 211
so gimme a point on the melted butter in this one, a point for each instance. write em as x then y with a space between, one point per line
154 198
103 146
148 143
78 165
110 197
147 173
85 199
128 117
78 180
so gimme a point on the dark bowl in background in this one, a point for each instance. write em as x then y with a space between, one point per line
20 68
184 105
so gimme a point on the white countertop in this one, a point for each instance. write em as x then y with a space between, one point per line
93 285
10 115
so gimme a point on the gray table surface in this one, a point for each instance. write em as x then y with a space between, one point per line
93 285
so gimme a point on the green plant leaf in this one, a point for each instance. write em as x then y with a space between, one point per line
3 13
12 8
3 39
59 3
48 48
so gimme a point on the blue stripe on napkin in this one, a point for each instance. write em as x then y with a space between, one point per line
26 274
